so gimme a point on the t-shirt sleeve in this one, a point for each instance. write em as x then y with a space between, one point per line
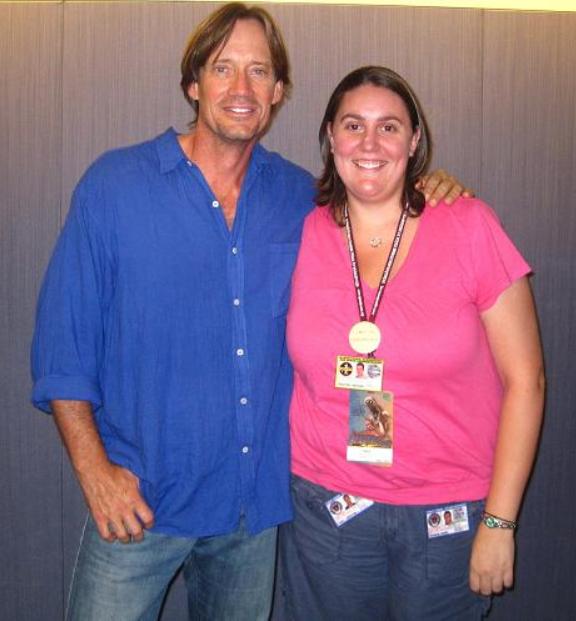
496 261
71 314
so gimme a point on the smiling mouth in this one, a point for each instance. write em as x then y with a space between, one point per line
369 164
240 110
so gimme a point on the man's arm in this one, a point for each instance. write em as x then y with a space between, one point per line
512 331
112 492
440 186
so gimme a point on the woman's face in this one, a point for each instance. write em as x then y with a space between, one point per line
372 140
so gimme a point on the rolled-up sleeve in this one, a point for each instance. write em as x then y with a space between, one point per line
68 342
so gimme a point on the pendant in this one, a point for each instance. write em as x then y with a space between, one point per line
375 242
364 337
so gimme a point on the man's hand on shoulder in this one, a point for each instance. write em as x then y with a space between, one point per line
440 186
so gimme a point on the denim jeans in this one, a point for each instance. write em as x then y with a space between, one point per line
380 565
228 577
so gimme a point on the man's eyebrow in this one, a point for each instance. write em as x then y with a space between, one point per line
254 61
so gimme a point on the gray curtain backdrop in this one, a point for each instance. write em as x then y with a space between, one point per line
499 89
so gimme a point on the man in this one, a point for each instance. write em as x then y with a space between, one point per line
178 252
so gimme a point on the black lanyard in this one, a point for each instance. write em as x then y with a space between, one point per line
387 268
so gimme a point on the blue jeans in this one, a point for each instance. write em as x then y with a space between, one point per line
228 577
380 565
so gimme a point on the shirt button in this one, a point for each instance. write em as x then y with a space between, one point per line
215 204
234 250
243 400
245 449
189 162
236 302
239 352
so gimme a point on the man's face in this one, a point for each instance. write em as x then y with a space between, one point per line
237 86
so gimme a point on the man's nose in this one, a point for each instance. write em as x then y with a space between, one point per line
241 84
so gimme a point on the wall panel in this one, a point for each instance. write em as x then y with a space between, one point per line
30 454
528 159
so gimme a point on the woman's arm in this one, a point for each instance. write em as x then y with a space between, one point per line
512 330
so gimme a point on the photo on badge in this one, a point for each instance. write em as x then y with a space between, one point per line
343 507
371 416
355 373
447 520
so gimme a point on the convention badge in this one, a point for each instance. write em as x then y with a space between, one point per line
371 417
447 520
364 337
343 507
359 373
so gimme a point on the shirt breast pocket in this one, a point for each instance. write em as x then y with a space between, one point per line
282 259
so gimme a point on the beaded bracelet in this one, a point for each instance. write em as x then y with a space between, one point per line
493 521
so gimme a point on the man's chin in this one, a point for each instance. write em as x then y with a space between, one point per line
241 132
240 135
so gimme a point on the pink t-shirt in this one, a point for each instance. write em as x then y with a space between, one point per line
447 392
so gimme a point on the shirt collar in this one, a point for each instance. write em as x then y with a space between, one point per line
170 153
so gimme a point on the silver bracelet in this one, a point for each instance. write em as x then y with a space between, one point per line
493 521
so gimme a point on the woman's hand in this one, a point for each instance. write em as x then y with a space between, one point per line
440 186
492 560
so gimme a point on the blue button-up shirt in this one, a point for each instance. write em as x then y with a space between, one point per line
173 327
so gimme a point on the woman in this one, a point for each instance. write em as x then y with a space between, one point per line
436 303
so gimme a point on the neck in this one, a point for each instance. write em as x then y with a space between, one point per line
222 163
379 217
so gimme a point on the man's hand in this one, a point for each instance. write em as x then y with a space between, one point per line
440 186
492 560
115 502
112 492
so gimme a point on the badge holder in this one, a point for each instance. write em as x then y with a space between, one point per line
371 420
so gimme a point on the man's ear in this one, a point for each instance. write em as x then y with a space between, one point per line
193 91
278 92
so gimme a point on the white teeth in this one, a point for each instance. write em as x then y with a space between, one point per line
241 110
369 164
